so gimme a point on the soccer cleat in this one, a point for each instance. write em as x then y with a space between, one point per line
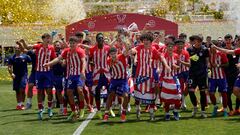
220 110
214 113
231 113
123 118
81 114
105 118
60 112
184 107
194 113
167 117
65 111
203 114
72 117
225 114
237 112
23 107
152 117
28 106
112 113
99 114
50 113
176 115
138 113
40 115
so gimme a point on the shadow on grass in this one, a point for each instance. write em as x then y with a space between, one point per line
8 110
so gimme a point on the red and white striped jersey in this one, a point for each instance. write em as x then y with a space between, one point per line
184 56
119 67
145 57
218 58
170 61
120 49
155 62
100 57
44 55
73 60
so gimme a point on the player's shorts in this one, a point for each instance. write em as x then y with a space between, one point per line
74 81
44 80
32 78
20 82
237 82
200 81
221 84
89 79
155 75
120 86
58 82
184 76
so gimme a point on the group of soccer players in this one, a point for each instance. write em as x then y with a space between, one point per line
132 64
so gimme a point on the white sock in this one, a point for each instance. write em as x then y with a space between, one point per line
19 104
183 100
138 107
29 100
61 106
151 110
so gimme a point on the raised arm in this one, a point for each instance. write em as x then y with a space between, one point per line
227 51
25 45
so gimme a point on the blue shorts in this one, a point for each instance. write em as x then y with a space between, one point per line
184 76
58 82
20 82
89 79
237 82
32 78
155 75
44 80
74 81
221 84
120 86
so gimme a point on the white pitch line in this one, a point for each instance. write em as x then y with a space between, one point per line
84 123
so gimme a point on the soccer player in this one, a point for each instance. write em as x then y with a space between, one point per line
75 59
119 81
144 86
231 72
58 76
171 92
218 61
183 72
31 78
45 52
101 75
17 68
89 77
198 73
236 88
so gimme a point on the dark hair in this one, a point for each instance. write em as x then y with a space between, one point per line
73 39
171 37
147 36
86 41
170 43
179 41
112 49
98 34
228 36
208 37
79 34
183 35
196 37
156 32
45 35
